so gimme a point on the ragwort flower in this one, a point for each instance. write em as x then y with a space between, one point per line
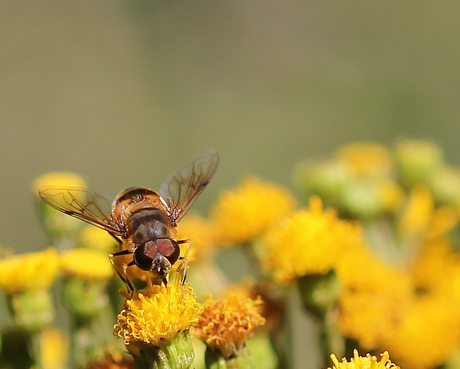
158 314
309 241
428 333
366 159
86 274
30 271
58 225
226 325
367 362
373 299
27 280
244 213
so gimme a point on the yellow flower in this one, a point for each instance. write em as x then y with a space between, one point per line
428 333
31 271
437 270
227 324
366 159
246 212
86 263
95 238
202 235
367 362
307 242
157 314
374 296
58 225
67 179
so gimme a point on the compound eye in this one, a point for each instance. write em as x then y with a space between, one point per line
169 249
144 255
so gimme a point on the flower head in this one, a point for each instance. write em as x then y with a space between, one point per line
58 225
30 271
366 362
244 213
157 314
428 333
366 159
67 179
374 296
309 241
86 263
416 161
227 324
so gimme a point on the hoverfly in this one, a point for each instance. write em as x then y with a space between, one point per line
143 221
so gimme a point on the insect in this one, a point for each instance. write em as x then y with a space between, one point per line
143 221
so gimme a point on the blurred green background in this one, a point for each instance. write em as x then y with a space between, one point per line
123 92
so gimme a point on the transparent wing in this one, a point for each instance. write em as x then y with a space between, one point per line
182 188
94 207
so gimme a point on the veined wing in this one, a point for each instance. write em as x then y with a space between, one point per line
180 190
93 207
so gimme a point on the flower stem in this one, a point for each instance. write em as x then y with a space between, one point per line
331 339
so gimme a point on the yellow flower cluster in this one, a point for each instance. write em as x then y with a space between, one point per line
403 295
245 213
227 324
366 362
428 333
157 314
30 271
374 297
308 241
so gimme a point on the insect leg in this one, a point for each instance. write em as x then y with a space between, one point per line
183 267
123 275
116 238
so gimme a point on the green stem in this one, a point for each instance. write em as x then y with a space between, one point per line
331 339
177 354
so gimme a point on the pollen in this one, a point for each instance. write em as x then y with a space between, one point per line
157 314
30 271
227 324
